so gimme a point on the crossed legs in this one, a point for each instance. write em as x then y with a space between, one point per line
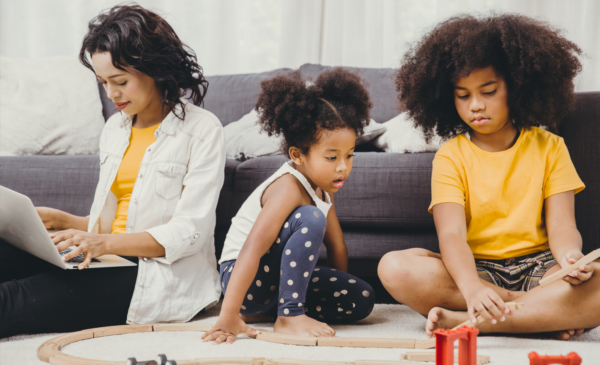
419 279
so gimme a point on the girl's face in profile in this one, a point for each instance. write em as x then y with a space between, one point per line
481 101
130 90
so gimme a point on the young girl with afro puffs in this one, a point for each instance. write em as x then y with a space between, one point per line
503 187
268 261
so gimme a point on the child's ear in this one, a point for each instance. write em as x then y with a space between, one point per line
296 155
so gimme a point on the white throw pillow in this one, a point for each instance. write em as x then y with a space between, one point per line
402 136
245 139
48 106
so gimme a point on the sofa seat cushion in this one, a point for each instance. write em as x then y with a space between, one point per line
384 191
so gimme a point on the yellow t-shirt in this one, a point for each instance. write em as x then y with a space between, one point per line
122 187
503 192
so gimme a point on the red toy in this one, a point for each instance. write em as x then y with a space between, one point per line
467 346
571 359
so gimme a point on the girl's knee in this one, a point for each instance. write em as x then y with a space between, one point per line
365 301
311 217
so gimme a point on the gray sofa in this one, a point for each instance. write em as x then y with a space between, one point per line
382 207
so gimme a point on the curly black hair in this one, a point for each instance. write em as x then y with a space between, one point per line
537 63
141 39
291 106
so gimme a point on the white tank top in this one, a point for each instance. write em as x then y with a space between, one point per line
242 223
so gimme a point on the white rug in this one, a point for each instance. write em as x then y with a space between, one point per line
391 321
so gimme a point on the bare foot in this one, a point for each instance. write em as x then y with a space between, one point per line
565 335
302 325
443 318
259 318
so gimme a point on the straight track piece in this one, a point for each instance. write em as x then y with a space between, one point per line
284 361
122 330
430 356
594 255
390 343
287 339
200 327
229 361
425 344
387 362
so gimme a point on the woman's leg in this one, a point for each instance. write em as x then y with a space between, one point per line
59 300
338 297
18 264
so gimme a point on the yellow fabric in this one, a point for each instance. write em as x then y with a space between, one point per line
503 192
122 187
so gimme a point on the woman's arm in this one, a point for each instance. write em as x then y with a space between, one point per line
564 238
59 220
94 245
451 226
337 252
279 200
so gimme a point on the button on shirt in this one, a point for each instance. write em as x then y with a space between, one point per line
175 198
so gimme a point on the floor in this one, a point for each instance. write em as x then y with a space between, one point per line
386 321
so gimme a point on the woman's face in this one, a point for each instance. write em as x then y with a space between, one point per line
130 90
481 101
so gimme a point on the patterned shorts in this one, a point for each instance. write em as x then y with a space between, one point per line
518 273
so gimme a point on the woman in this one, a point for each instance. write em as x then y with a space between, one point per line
161 170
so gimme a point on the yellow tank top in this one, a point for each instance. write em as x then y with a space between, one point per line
122 187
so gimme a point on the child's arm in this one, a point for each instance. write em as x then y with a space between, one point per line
451 226
279 200
337 252
563 236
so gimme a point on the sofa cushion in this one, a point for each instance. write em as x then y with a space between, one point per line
67 183
381 88
581 132
384 191
230 97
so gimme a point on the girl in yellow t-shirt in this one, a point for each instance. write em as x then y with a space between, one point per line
503 189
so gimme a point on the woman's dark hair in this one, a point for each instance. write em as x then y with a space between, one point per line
290 106
536 62
141 39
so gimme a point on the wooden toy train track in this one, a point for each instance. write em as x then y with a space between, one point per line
50 351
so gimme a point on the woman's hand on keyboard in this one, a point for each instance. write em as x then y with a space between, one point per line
89 244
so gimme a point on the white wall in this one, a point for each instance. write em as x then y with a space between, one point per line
242 36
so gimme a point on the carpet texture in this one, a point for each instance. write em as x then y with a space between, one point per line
386 321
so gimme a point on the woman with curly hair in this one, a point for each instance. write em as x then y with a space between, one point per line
161 169
503 187
268 261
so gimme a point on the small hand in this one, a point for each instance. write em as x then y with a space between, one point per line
89 244
583 272
226 330
485 302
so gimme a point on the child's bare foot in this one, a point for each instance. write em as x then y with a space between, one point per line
259 318
302 325
565 335
443 318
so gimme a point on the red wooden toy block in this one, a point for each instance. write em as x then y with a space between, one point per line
571 359
467 346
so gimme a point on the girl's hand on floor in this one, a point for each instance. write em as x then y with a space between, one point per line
485 302
226 330
583 273
89 244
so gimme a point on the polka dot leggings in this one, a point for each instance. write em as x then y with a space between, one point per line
288 283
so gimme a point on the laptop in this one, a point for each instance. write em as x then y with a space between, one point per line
21 226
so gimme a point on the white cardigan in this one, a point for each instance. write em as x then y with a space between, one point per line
174 199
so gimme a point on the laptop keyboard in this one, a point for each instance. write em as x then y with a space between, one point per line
75 260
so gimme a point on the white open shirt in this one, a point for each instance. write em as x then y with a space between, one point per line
174 199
